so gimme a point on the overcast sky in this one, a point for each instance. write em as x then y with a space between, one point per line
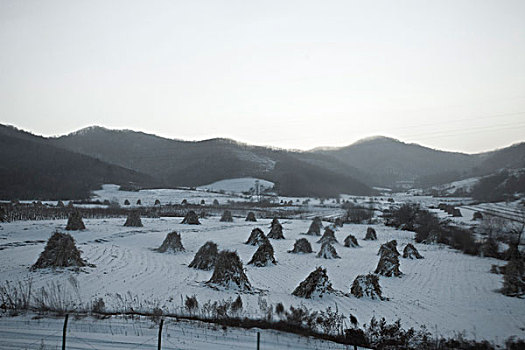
292 74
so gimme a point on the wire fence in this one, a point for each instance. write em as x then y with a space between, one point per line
138 332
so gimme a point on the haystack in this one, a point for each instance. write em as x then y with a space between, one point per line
172 244
389 247
328 236
74 222
315 227
251 217
328 251
205 257
477 216
338 222
263 256
301 246
456 213
366 285
315 285
317 220
229 272
351 242
133 219
276 231
275 221
203 214
227 216
371 234
388 264
60 251
257 237
410 252
191 218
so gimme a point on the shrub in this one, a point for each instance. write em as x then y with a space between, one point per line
191 304
279 308
236 306
98 306
16 296
359 215
403 217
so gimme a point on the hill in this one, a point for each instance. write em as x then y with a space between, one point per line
31 168
185 163
388 160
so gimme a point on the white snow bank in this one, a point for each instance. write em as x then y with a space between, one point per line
239 185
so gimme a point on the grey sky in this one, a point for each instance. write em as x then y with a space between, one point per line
294 74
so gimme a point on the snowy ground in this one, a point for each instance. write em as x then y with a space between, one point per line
448 292
165 196
238 185
25 332
465 185
513 211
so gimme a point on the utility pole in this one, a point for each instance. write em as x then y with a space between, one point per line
160 333
64 333
257 190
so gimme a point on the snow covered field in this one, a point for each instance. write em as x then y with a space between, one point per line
24 332
165 196
465 185
448 292
237 185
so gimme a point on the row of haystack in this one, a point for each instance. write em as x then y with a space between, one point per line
389 258
450 209
75 222
317 284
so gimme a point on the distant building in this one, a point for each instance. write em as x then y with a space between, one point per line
405 184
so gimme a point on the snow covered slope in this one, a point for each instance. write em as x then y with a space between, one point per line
237 185
464 185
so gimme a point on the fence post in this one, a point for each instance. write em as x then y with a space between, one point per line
64 333
258 340
160 334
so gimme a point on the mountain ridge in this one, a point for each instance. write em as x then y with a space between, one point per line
373 161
